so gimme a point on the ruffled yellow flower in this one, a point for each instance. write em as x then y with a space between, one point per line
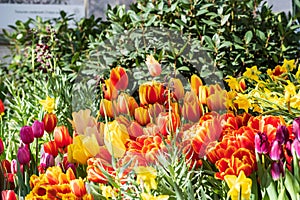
146 176
252 73
289 91
146 196
115 137
242 101
289 64
240 185
233 83
48 104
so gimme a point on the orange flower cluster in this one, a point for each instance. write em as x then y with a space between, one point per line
55 184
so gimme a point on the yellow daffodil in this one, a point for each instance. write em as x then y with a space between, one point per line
48 104
252 73
295 101
242 102
240 185
289 91
233 83
289 64
146 176
229 100
146 196
115 137
257 108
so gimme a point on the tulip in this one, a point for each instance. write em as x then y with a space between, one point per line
78 187
296 147
126 104
217 100
50 121
107 108
62 137
191 109
141 115
135 130
240 185
1 108
1 146
151 93
119 78
277 170
110 92
203 94
26 134
154 110
47 160
167 123
276 152
153 66
14 166
146 177
51 148
177 88
243 85
196 82
282 134
77 152
8 195
261 143
296 127
38 129
23 155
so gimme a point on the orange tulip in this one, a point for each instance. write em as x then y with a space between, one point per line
167 123
50 121
141 115
110 92
107 108
196 82
177 88
78 187
51 148
191 110
119 78
126 104
217 101
151 93
94 173
62 137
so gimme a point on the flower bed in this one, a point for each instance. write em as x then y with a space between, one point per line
173 142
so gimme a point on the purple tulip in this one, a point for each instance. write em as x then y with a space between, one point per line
296 145
296 127
38 129
277 170
282 134
26 134
23 155
261 143
276 151
47 160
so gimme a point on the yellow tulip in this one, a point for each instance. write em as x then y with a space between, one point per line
236 184
115 137
82 149
146 176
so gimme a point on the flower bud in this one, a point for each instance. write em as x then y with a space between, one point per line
119 78
62 137
50 121
277 170
23 155
1 146
261 143
153 66
38 129
26 134
282 134
276 152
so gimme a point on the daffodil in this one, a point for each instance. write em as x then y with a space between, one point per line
233 83
242 101
146 176
108 191
146 196
252 73
290 90
289 64
240 185
48 104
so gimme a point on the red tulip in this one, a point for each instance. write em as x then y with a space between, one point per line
119 78
50 121
62 137
110 92
78 187
51 148
8 195
151 93
1 108
1 146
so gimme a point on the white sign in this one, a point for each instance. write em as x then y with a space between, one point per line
10 13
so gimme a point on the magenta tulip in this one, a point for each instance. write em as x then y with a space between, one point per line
38 129
276 152
23 155
26 134
282 134
261 143
277 170
296 145
296 127
1 146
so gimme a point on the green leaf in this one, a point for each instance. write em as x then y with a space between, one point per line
224 19
290 182
248 37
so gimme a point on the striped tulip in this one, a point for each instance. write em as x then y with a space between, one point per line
119 78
